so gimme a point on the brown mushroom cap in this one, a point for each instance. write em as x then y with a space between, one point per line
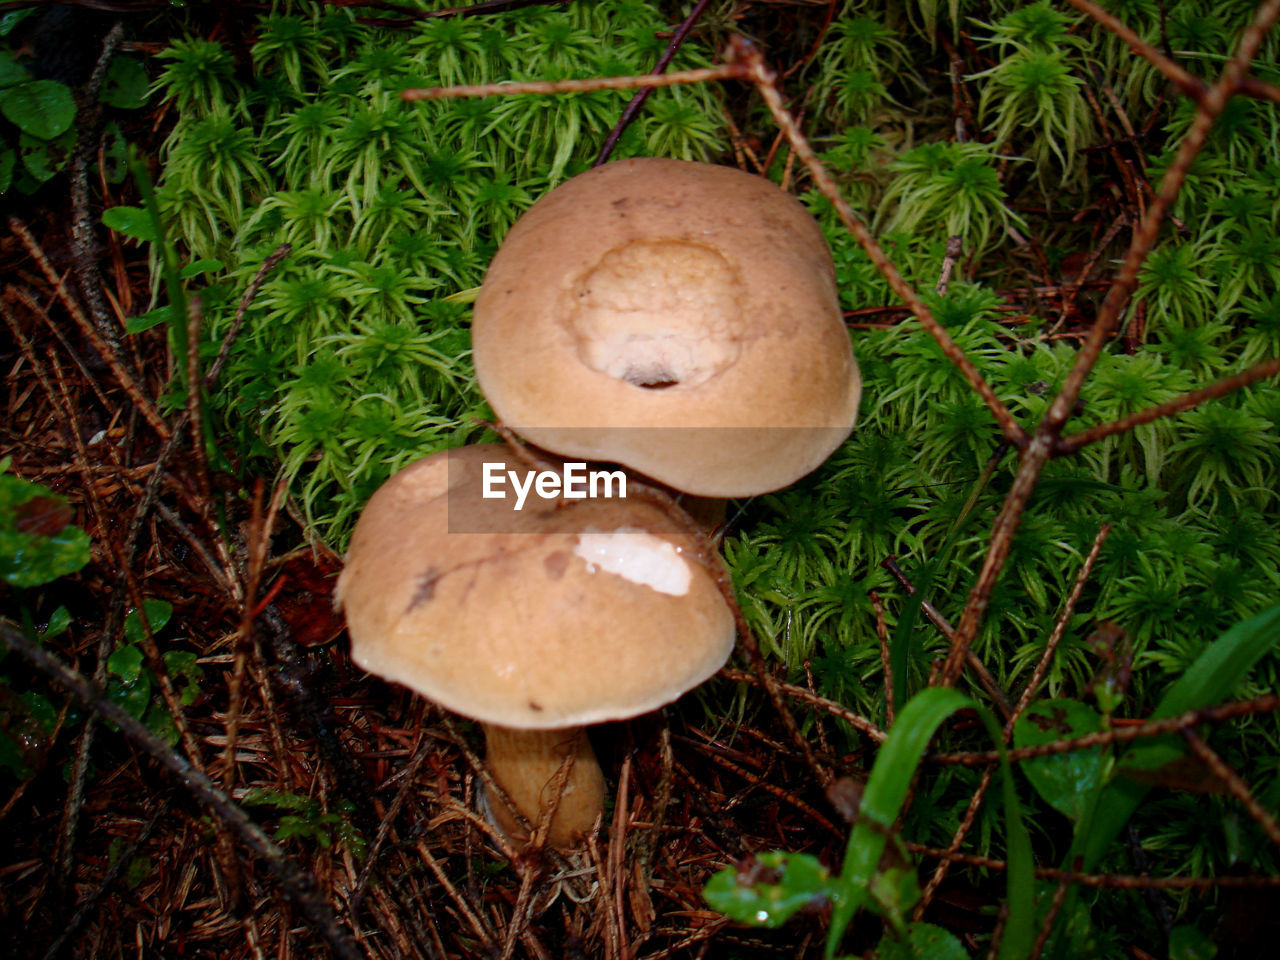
548 620
678 318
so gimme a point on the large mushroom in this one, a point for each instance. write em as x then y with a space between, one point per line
679 318
535 621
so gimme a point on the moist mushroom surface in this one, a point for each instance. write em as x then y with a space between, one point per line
558 615
678 318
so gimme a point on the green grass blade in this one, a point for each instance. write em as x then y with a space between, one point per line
1208 681
882 801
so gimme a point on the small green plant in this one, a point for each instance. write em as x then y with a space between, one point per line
952 185
131 682
777 885
1033 87
38 545
308 820
392 210
36 141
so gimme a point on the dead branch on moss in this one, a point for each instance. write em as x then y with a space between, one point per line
1152 728
298 885
747 57
1044 440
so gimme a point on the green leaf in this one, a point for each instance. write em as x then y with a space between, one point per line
771 890
1066 781
7 159
160 723
41 710
37 542
132 222
41 108
199 267
1209 680
11 71
59 620
126 662
131 696
182 665
169 263
145 321
114 157
895 891
11 20
1188 943
42 159
882 800
157 613
280 799
923 941
126 84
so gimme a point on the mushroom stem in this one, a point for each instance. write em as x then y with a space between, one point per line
525 763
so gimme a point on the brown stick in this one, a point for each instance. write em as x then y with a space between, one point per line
674 79
1075 441
103 349
747 57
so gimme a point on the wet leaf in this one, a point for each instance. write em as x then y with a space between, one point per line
771 889
7 159
186 674
1188 943
158 613
1065 781
59 620
923 941
40 108
11 71
126 663
131 221
42 159
32 551
126 84
131 696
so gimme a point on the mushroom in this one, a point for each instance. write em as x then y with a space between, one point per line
679 318
535 622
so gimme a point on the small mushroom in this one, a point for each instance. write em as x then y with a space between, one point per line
536 622
679 318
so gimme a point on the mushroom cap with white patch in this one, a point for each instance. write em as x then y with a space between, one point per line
565 613
679 318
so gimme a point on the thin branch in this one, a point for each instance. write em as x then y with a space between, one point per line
1076 441
989 682
1106 880
1059 628
1211 106
677 78
242 310
88 125
857 721
1235 785
298 885
882 634
109 356
747 57
1153 728
632 109
1187 84
1043 442
123 860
